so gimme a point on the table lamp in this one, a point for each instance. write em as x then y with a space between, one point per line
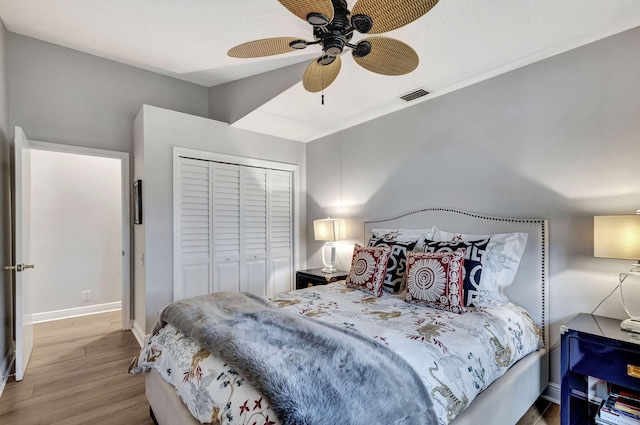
618 236
329 230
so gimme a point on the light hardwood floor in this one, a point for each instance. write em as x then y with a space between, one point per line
543 412
78 375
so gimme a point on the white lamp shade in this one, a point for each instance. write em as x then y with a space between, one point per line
329 229
617 236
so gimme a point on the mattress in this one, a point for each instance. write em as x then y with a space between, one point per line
456 356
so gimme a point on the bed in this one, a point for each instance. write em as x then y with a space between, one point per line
504 400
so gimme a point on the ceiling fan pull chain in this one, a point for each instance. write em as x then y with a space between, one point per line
322 76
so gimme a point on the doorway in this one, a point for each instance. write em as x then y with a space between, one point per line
80 240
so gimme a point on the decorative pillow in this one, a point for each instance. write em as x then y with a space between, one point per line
472 269
504 253
368 269
393 281
434 279
402 235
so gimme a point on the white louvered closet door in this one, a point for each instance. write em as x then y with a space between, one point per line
193 274
225 192
280 225
235 229
253 237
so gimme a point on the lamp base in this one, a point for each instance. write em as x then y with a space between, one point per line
328 258
631 325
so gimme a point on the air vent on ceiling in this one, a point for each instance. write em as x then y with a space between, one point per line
414 95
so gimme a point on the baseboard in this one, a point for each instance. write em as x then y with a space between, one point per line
138 332
5 368
552 393
75 312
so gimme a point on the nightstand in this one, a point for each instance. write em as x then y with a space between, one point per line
312 277
594 346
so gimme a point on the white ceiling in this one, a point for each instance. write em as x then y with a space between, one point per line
460 42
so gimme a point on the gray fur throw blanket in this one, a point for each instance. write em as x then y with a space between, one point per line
314 373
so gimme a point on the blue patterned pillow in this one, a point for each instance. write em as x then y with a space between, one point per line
473 262
397 265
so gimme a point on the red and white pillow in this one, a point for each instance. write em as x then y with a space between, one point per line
368 269
435 279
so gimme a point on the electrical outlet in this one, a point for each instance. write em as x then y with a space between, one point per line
86 295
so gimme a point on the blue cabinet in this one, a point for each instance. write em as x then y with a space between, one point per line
594 346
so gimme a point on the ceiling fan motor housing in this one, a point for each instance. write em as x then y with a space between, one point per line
338 32
333 45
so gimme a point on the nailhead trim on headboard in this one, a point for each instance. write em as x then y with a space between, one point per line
543 247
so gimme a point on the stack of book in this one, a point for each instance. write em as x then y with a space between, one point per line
621 408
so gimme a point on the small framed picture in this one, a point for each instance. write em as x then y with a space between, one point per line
137 202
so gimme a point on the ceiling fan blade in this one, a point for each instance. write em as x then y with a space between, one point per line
318 77
263 47
388 56
388 15
302 8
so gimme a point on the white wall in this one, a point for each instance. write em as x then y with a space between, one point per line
559 139
139 285
157 131
76 228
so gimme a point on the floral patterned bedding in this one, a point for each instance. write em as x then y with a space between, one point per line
456 355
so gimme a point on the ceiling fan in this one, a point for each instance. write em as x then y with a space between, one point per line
333 27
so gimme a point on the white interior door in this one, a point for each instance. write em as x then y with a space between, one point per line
23 296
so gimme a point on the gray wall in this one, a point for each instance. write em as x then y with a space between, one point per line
558 139
6 315
231 101
60 95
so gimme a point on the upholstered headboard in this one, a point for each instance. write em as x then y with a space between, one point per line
529 288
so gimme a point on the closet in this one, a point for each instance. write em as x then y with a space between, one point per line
233 228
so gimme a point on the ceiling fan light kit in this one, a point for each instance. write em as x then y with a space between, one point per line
317 19
362 23
333 27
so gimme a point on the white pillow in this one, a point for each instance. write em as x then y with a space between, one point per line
500 264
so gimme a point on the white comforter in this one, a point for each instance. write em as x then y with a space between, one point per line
456 355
